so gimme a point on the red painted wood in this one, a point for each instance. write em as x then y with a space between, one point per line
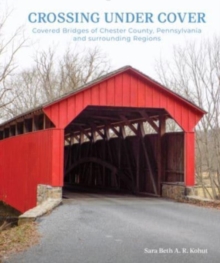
71 107
156 97
141 94
95 96
134 92
26 161
184 117
148 95
78 102
103 93
57 158
110 92
118 89
124 90
189 158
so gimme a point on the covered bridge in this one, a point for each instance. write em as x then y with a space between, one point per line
110 134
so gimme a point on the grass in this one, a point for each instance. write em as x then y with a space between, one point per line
18 238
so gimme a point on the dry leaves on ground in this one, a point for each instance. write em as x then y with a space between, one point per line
18 238
212 204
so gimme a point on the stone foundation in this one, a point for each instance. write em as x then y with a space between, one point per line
176 191
40 210
45 192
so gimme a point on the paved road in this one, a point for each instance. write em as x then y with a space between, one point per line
125 229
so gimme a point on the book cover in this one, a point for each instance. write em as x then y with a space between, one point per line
106 97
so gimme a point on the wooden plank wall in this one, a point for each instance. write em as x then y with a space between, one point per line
26 161
128 157
174 152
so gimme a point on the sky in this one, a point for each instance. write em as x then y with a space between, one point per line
137 53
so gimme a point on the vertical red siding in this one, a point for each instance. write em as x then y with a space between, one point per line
95 97
71 107
57 158
118 90
123 90
126 90
103 93
189 158
26 161
141 94
134 92
110 92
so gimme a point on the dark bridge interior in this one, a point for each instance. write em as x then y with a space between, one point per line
122 149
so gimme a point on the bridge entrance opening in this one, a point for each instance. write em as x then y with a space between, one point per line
118 149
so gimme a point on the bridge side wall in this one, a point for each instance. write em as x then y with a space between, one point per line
29 160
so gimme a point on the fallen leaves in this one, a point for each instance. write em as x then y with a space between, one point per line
18 238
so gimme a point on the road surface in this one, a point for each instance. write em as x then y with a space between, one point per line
92 228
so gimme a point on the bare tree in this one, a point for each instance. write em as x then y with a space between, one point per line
74 68
53 74
25 91
10 45
194 72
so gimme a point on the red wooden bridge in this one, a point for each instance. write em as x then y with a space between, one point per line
109 134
